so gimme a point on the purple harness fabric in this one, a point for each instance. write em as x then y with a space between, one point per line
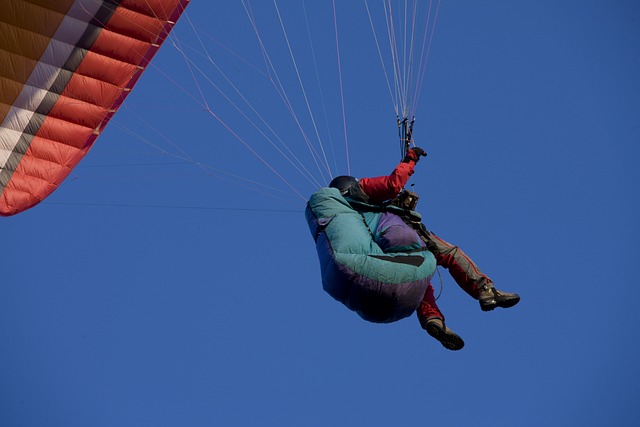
393 235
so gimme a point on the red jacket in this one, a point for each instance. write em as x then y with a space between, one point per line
382 188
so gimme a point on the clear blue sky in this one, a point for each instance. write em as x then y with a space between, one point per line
152 289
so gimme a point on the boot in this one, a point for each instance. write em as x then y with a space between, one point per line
491 298
436 328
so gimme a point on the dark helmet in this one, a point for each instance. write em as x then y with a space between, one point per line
343 183
349 187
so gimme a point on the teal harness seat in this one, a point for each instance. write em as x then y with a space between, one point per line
381 286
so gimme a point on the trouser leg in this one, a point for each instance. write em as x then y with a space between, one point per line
463 270
428 307
432 320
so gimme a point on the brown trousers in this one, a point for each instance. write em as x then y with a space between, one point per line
463 270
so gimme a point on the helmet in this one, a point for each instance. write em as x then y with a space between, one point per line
349 187
343 183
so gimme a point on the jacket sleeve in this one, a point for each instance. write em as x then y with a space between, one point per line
383 188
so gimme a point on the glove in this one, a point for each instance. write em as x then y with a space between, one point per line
414 154
419 151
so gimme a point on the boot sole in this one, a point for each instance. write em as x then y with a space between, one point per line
448 339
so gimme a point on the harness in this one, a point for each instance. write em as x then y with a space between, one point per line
403 206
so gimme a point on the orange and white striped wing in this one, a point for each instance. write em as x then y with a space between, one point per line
65 68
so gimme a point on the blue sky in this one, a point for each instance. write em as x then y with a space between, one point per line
163 285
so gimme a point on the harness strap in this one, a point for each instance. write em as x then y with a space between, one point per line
416 261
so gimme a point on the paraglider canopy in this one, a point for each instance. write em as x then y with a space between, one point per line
66 66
